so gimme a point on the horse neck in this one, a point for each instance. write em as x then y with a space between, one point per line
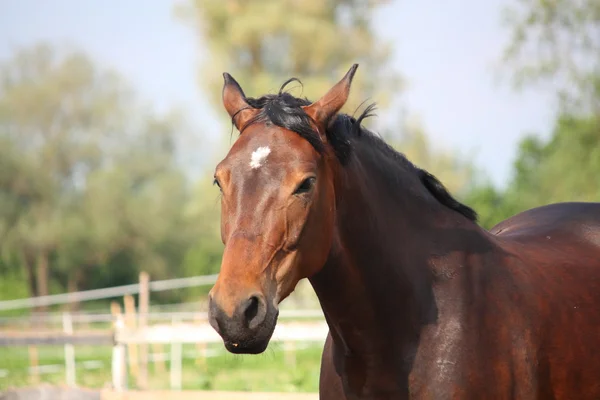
376 289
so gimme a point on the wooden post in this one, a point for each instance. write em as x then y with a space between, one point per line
130 323
159 364
290 353
201 348
144 306
175 362
34 373
119 365
69 350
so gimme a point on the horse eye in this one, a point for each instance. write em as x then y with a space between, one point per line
216 183
306 185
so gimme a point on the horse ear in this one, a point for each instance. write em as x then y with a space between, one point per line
235 102
327 106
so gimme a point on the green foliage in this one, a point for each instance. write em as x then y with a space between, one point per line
267 372
490 204
455 172
262 43
204 211
557 42
11 286
565 168
89 176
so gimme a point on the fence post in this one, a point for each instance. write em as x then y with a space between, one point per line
289 349
69 350
119 365
130 323
34 374
159 362
201 347
175 361
144 305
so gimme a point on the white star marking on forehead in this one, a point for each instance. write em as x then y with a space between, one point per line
258 157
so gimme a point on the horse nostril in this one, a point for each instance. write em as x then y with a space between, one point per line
251 309
255 311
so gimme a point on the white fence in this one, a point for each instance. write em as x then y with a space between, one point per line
131 330
154 316
105 293
175 335
178 334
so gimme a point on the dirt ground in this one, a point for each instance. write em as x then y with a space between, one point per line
50 393
60 393
212 395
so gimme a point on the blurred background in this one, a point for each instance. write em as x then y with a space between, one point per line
111 123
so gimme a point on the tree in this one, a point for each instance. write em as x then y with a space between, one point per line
49 108
203 212
21 187
90 175
557 42
563 169
262 43
455 171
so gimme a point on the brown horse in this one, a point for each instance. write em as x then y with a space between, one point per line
421 302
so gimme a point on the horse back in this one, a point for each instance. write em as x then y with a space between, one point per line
554 259
571 222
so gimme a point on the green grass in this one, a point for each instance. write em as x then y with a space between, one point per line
265 372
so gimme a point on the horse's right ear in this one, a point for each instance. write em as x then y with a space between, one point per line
235 102
322 110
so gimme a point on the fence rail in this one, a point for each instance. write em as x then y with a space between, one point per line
178 333
83 317
187 333
106 293
132 332
57 338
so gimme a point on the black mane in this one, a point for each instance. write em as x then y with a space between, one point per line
284 110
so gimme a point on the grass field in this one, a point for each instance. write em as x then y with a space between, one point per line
269 372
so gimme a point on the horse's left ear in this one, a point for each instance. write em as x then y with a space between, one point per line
235 102
327 106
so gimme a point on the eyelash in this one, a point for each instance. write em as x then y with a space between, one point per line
305 186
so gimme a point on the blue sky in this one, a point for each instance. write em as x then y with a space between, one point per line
445 50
